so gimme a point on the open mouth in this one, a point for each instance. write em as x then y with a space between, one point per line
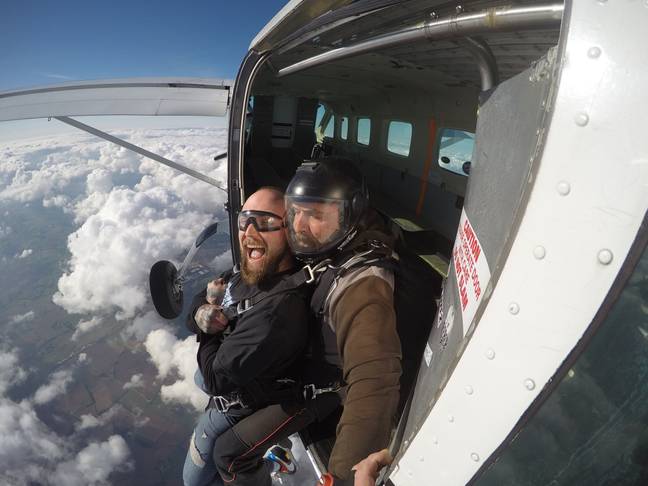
255 252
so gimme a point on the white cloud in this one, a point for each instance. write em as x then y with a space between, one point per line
130 212
114 249
142 325
25 253
89 421
31 453
135 382
174 357
58 384
221 262
17 319
85 326
94 464
10 372
28 446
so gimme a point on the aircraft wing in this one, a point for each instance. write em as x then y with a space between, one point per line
138 96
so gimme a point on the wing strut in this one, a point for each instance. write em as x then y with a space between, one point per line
139 150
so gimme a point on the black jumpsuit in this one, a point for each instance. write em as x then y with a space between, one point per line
260 346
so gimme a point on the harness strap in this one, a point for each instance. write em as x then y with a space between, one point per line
378 254
305 276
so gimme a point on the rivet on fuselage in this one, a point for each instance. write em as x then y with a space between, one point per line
450 418
490 353
514 308
563 188
594 52
469 390
529 384
605 256
581 119
435 440
539 252
474 456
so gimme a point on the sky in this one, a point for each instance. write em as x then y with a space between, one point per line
44 43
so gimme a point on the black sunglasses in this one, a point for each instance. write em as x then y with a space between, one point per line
261 220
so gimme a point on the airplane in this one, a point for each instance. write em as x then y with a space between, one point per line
508 139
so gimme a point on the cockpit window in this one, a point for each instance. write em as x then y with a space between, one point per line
455 150
399 138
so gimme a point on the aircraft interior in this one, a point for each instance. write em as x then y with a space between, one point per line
405 115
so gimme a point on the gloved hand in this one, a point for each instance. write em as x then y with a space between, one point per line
210 319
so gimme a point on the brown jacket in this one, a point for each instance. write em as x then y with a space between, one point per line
360 310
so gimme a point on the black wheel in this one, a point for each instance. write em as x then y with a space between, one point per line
167 299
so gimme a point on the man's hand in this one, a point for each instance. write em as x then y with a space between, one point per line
366 471
215 291
210 319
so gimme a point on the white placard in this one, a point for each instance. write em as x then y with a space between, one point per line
471 269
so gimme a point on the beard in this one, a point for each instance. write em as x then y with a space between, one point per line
269 264
304 241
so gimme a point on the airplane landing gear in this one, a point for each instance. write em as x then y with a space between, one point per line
166 291
165 281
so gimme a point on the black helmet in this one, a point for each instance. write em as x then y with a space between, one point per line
325 201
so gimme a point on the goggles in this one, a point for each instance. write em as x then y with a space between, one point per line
261 220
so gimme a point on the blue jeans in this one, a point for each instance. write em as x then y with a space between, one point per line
199 468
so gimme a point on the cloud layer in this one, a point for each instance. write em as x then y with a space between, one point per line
30 452
129 212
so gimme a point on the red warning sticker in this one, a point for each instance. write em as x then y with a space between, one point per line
471 269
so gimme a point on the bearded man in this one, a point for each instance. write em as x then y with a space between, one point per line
251 332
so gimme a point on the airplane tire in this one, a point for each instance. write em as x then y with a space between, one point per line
167 301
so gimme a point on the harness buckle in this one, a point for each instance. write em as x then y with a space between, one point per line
243 306
223 405
311 391
310 274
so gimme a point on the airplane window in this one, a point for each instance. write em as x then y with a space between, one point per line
399 137
344 128
593 428
323 131
455 150
321 109
330 126
364 131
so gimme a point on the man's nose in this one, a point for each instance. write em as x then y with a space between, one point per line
251 231
299 222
